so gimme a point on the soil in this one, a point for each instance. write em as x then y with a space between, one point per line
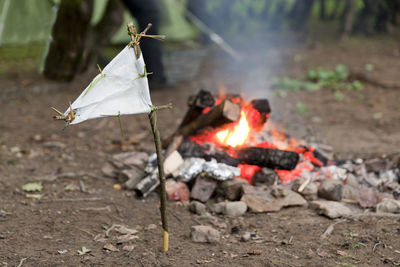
48 232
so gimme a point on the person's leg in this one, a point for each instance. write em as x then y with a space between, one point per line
148 12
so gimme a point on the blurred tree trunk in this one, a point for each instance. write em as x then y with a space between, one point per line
68 45
300 14
322 10
349 16
336 9
276 20
103 32
367 18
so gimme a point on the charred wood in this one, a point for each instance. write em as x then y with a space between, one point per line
267 157
196 104
147 185
207 152
263 157
219 115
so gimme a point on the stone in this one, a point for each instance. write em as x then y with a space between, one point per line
136 158
330 189
259 199
236 208
232 189
203 188
388 205
130 177
197 208
172 162
109 170
352 180
177 190
218 207
376 165
204 234
331 209
245 237
350 193
265 176
309 192
368 197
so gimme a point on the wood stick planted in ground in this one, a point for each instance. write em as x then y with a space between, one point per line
163 194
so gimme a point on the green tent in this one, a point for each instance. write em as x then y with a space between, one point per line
27 21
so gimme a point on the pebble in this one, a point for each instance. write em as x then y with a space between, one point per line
197 207
236 208
246 237
331 209
204 234
330 189
218 207
388 205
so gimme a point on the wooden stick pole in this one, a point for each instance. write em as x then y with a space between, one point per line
163 194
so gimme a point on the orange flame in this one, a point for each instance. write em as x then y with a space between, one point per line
237 135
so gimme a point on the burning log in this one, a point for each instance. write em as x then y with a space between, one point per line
268 157
263 157
221 114
207 152
197 103
263 107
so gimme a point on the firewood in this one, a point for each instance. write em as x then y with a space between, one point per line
263 157
147 185
196 104
219 115
267 157
263 107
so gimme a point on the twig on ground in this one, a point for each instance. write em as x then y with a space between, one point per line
70 175
111 228
85 231
82 186
106 208
304 185
330 229
22 262
176 217
70 199
372 214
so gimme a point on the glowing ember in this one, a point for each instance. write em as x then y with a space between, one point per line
237 135
251 130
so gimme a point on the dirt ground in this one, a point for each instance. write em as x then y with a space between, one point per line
47 232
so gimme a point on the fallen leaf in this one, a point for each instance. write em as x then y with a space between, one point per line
204 261
125 238
62 251
125 230
83 251
110 247
34 196
71 187
32 187
254 252
151 226
341 253
128 248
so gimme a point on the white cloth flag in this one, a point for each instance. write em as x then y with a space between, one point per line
121 88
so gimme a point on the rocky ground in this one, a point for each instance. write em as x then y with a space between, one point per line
85 210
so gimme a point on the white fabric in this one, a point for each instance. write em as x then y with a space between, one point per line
122 90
